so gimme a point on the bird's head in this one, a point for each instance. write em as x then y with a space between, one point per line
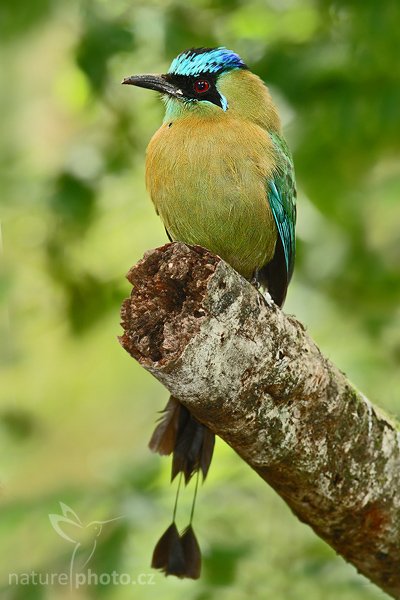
210 82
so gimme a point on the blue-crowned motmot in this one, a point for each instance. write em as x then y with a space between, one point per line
220 175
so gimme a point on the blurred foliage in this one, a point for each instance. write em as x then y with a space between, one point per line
76 411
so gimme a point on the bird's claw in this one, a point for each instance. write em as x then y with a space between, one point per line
254 280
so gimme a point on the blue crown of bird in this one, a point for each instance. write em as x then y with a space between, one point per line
220 175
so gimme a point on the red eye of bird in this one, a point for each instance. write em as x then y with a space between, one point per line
201 86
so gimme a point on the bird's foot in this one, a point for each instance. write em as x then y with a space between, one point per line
255 279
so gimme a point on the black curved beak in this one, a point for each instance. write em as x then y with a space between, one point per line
159 83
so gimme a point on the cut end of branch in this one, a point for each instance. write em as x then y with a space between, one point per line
165 306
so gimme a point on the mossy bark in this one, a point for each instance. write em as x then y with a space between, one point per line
255 378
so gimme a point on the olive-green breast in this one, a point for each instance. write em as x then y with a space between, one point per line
207 179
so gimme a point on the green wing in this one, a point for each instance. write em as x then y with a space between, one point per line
281 191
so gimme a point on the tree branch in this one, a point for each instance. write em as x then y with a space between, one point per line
255 378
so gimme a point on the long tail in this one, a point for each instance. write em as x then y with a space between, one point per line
191 444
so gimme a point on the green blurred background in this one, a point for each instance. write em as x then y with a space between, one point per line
76 411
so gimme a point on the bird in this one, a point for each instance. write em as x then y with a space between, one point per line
84 536
220 175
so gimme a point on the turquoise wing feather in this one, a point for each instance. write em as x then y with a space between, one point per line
281 191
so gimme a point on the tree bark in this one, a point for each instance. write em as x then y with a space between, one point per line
255 378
